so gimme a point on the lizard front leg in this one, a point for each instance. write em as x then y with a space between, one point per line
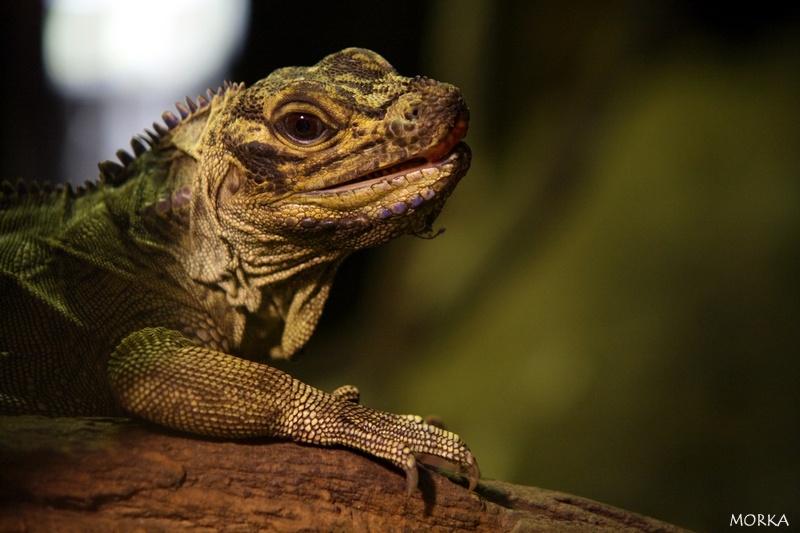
160 375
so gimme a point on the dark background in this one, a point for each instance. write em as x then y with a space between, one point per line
613 310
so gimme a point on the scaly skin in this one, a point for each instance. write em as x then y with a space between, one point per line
152 292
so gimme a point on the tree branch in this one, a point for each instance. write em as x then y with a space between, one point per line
100 474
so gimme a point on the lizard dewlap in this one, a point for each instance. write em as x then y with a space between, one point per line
151 292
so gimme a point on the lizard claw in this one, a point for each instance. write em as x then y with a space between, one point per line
412 477
472 472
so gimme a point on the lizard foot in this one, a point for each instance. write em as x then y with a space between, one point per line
398 439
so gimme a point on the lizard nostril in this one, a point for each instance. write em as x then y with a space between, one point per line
412 115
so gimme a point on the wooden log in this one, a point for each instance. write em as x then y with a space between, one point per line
100 474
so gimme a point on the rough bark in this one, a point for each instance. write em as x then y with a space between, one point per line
103 474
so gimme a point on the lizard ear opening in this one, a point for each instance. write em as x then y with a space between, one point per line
231 184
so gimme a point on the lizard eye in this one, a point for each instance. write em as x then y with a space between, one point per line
304 128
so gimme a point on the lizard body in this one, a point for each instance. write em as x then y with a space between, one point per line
154 291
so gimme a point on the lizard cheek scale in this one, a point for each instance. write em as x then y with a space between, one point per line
158 289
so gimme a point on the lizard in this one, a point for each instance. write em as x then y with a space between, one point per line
159 290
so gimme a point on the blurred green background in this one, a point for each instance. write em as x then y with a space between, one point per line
614 309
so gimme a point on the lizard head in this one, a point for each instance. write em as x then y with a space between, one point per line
286 177
268 187
341 155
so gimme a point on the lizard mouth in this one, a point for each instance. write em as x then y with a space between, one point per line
377 176
431 158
